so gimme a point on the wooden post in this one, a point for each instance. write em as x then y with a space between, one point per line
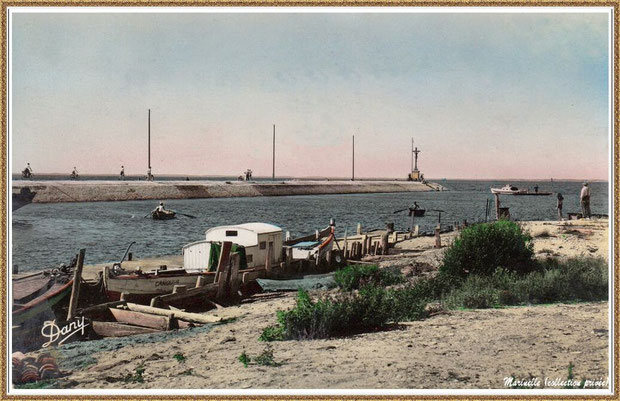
223 268
497 203
364 244
200 281
345 245
437 237
384 243
77 281
235 261
412 221
359 228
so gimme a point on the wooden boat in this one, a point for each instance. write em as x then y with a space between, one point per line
417 212
142 286
508 190
313 246
38 293
163 215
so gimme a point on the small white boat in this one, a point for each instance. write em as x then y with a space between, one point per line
508 190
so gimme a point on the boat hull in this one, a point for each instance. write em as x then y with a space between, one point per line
146 286
165 215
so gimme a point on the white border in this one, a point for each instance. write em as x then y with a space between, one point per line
290 10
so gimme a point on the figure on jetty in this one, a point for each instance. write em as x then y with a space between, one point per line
27 172
74 174
122 174
248 174
585 201
560 202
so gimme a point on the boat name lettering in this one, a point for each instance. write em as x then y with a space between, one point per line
53 332
166 283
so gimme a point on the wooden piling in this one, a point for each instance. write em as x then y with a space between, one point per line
364 244
384 243
235 261
223 268
437 237
77 281
497 204
359 228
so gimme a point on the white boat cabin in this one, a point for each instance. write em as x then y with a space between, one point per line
256 238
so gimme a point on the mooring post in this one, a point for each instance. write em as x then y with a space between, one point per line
497 204
77 281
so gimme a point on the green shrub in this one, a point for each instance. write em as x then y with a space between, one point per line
370 308
354 277
577 279
482 248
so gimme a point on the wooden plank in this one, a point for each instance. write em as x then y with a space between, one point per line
114 329
77 280
223 269
141 319
100 308
190 317
207 290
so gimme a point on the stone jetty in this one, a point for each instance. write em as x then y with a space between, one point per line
99 191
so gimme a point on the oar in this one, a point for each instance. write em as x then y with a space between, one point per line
150 214
186 215
401 210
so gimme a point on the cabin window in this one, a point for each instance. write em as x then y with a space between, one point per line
262 245
231 233
248 258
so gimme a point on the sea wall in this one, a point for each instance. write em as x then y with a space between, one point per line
98 191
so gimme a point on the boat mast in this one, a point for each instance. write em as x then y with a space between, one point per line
149 140
353 161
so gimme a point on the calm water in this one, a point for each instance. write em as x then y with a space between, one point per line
45 235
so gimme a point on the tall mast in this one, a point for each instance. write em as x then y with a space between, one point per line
149 138
273 153
353 161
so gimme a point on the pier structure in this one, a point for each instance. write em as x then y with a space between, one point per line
97 191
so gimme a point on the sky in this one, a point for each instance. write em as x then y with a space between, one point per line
483 95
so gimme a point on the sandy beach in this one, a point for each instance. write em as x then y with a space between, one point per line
464 349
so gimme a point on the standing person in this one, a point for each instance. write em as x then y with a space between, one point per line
536 189
122 175
560 202
585 201
74 173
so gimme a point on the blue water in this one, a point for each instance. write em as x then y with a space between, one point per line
45 235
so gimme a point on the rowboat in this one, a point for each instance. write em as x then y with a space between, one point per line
508 190
314 246
38 293
417 212
163 214
142 286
